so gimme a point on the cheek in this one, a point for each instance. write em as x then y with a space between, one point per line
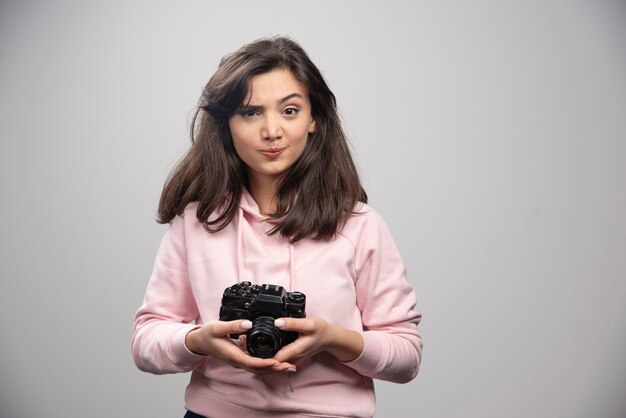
241 137
238 144
304 138
299 148
242 150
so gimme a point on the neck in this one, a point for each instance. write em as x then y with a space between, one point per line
263 191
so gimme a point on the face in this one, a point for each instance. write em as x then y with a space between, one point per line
271 130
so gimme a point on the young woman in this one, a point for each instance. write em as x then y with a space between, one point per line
268 193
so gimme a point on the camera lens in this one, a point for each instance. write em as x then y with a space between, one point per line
264 338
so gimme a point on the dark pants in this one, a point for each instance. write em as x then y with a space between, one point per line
190 414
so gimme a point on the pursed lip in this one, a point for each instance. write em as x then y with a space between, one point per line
272 152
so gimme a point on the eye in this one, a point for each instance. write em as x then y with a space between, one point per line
248 113
291 111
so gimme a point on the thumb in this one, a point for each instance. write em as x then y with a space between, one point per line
294 324
223 328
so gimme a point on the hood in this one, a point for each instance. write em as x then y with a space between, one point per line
252 225
249 206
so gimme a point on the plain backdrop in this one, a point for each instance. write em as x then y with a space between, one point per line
491 136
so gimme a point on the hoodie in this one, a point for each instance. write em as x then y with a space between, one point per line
356 280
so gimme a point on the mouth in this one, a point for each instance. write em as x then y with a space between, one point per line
272 152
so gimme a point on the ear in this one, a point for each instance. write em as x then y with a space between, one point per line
312 126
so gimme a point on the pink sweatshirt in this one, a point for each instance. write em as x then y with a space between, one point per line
356 281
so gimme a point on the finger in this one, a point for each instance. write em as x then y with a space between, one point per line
243 361
284 367
223 328
302 325
276 368
259 366
292 352
255 364
235 356
241 342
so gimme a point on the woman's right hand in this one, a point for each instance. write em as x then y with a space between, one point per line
212 338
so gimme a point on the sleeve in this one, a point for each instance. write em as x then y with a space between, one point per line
163 321
393 345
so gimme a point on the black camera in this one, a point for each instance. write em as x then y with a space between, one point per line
262 304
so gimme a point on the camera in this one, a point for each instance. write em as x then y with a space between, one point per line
262 304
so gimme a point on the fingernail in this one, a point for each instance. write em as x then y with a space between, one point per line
246 325
291 370
279 323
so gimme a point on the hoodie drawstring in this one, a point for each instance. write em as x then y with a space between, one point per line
292 280
239 255
292 267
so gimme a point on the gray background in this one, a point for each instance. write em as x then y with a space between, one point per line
491 135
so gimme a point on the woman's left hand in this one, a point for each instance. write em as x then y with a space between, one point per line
317 335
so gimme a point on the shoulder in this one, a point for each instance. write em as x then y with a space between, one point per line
362 224
190 210
188 218
363 215
186 225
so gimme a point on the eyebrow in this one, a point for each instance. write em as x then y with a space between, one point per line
290 96
284 99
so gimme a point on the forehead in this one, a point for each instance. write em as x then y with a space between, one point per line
274 86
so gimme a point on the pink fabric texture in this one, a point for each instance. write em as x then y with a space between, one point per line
357 281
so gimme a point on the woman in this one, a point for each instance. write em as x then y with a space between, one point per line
268 193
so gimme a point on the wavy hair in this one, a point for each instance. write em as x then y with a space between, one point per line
314 196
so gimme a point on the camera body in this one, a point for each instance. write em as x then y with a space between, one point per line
262 304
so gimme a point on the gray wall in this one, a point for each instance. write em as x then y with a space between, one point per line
491 135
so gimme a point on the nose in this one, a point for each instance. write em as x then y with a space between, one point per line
272 128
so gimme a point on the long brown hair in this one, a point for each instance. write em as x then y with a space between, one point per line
315 195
